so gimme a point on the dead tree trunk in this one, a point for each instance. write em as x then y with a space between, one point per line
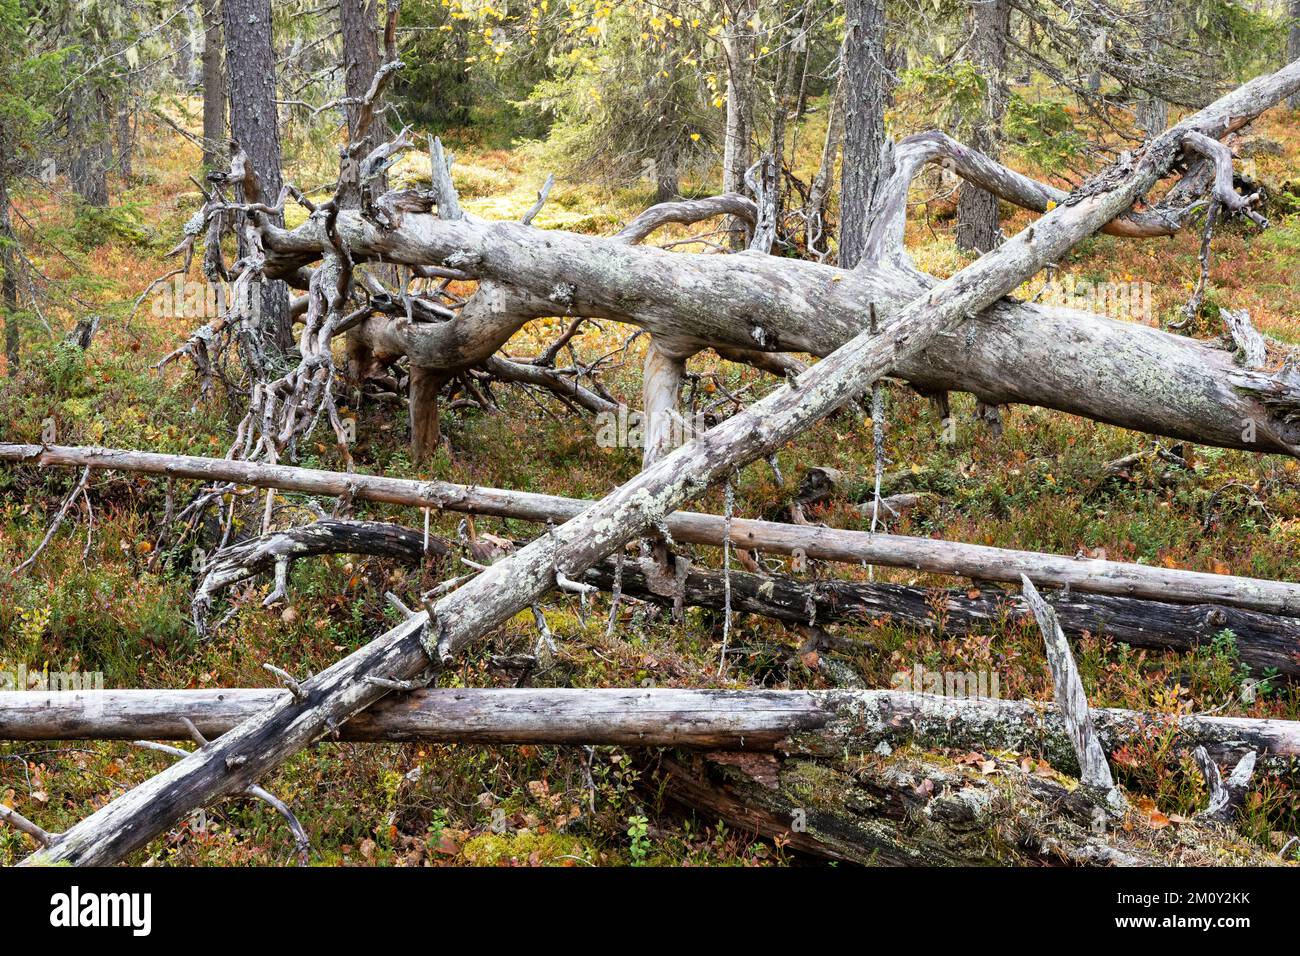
1262 642
831 773
907 809
325 701
809 723
1119 372
978 562
978 226
865 94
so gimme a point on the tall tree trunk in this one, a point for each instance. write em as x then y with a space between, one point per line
125 134
738 46
254 124
864 122
1152 111
1293 47
194 33
667 182
816 235
8 277
214 85
87 168
977 210
358 22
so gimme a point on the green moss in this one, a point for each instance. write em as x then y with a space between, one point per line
526 848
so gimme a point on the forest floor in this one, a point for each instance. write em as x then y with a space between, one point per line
99 599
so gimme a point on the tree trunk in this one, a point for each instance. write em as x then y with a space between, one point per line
254 125
214 86
865 95
819 770
1262 642
426 432
88 139
909 809
978 226
125 135
738 45
8 273
978 562
359 24
195 36
667 182
793 722
1152 111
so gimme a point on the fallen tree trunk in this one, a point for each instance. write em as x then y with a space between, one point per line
1261 641
324 702
1066 359
815 769
979 562
810 723
277 550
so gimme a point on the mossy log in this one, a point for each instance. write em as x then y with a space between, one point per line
911 808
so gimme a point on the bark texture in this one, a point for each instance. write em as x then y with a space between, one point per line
978 227
254 125
359 24
865 95
214 86
806 723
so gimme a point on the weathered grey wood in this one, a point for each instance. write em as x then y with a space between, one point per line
261 744
279 549
1071 700
797 722
1112 371
1225 798
981 562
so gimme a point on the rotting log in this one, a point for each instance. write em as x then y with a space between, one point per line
809 723
1261 641
979 562
911 809
327 700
